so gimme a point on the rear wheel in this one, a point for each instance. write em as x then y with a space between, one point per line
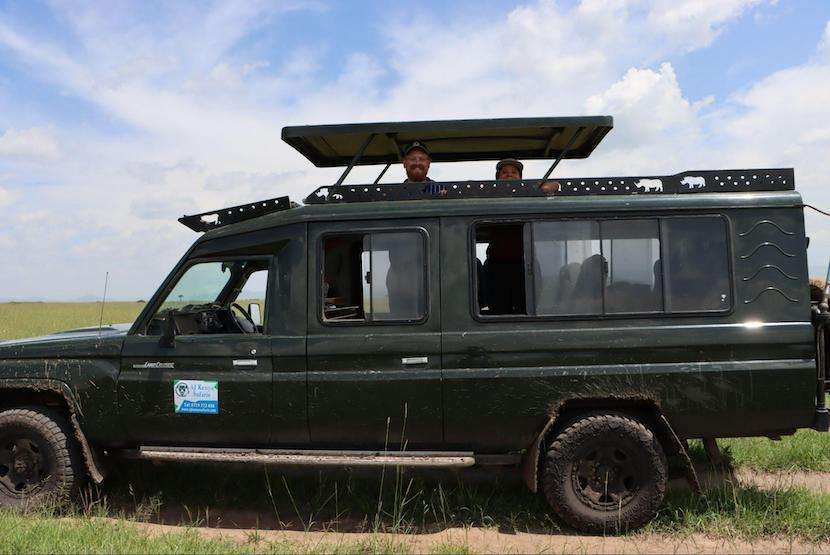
605 473
39 459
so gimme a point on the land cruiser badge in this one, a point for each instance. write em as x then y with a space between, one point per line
195 397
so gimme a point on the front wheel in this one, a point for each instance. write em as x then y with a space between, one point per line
605 473
39 459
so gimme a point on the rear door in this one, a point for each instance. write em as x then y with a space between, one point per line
374 342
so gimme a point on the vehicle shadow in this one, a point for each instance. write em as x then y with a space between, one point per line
304 499
358 500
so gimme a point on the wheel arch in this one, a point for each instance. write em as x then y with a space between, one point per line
646 409
56 395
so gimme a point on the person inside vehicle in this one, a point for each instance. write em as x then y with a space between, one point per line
416 161
502 274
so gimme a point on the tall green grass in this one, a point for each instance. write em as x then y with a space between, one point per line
32 319
42 533
806 450
747 513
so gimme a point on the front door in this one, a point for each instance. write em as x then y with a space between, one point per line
213 386
374 342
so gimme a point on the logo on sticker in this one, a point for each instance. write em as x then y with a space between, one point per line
195 397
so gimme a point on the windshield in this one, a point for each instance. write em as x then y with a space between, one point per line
201 284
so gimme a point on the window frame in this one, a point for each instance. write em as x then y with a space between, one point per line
162 294
527 232
424 235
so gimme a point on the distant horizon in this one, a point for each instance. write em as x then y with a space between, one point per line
814 273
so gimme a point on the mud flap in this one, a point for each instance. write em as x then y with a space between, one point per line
530 462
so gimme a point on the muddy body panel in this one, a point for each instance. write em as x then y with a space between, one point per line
450 377
747 370
84 364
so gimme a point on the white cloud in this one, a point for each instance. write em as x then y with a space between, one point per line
651 100
695 23
203 116
35 142
7 197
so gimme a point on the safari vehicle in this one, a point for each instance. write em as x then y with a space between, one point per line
581 335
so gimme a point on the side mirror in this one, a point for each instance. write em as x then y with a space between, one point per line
168 334
255 313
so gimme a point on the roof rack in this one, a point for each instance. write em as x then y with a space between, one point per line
235 214
690 182
358 144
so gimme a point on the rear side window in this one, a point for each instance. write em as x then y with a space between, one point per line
595 267
374 277
696 268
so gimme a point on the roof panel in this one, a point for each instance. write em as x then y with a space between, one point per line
450 140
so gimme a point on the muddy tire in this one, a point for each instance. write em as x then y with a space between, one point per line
605 473
39 458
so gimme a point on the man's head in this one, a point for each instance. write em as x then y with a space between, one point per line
509 168
416 161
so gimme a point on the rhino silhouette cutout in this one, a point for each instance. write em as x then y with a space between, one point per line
694 182
650 185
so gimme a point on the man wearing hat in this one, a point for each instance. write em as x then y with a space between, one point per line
416 160
509 168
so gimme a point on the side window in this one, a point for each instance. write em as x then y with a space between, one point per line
374 277
568 267
632 248
587 267
207 298
500 269
696 268
252 296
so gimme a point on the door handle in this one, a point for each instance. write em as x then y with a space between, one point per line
414 360
245 362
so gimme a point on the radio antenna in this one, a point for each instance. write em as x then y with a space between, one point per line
103 302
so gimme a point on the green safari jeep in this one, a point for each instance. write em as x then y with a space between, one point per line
581 332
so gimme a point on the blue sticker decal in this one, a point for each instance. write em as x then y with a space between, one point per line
195 397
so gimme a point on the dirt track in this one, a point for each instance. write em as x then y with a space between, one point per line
480 540
483 540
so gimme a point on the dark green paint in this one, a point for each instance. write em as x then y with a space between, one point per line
489 386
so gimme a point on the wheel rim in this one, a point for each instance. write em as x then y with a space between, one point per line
606 477
23 466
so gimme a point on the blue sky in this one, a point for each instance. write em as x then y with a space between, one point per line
117 117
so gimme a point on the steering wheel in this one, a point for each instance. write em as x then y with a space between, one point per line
245 314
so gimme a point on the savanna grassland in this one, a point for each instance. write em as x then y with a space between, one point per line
769 496
32 319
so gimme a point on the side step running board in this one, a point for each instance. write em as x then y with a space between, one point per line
305 458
